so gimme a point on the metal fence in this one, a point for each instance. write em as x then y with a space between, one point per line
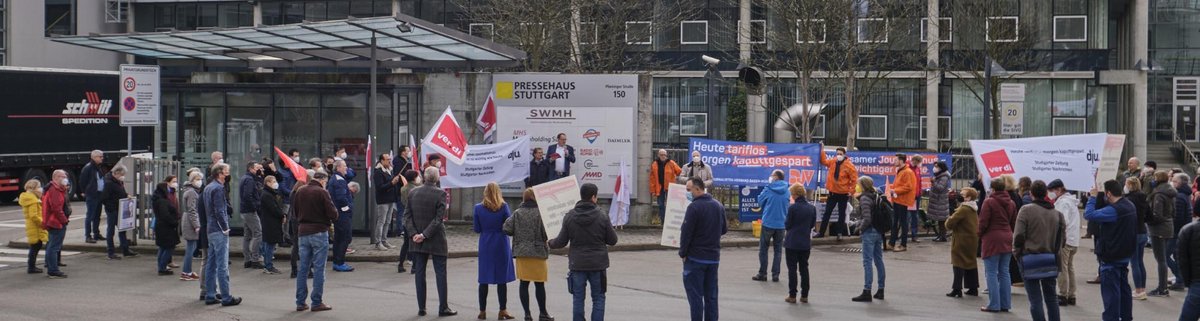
142 175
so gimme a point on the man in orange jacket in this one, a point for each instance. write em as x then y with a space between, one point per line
840 183
904 195
663 171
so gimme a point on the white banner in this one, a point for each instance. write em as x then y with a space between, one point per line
556 198
1110 160
596 112
128 207
139 95
505 162
677 204
1074 159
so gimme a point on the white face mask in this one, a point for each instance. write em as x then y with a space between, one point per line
841 157
173 185
274 185
198 183
342 155
66 182
1126 189
296 159
1052 195
221 161
696 159
41 190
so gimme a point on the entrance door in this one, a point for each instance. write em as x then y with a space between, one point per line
1186 111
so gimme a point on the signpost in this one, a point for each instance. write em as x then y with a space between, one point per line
1012 109
139 99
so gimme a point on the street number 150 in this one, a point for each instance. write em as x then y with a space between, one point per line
618 94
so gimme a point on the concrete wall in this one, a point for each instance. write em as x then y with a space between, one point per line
28 46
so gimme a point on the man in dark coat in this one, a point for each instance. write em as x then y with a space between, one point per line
561 157
1115 243
91 182
423 215
587 229
700 249
111 196
343 200
250 191
387 183
540 169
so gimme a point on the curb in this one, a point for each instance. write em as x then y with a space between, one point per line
283 253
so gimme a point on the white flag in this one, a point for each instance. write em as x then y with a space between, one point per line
618 213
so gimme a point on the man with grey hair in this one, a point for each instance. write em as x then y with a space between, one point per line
217 158
56 203
216 263
343 200
111 196
251 190
423 214
91 182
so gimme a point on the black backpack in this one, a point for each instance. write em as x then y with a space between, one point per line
881 215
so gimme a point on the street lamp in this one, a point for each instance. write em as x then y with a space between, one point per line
990 67
711 78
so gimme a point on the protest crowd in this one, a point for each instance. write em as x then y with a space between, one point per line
1026 232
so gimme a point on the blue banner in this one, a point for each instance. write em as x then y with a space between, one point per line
880 166
751 164
748 208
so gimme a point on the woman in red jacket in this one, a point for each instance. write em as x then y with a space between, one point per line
996 219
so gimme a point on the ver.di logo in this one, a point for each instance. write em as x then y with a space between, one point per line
591 135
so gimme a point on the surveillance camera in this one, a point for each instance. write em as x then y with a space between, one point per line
710 60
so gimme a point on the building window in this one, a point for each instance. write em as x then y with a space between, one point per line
60 17
1069 126
639 33
693 32
872 127
1070 28
872 30
1003 29
693 124
817 127
588 33
943 128
758 32
482 30
945 28
810 31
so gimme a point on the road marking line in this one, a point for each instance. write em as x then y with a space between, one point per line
26 252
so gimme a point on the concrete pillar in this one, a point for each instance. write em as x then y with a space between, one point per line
257 13
756 119
932 76
1139 43
744 30
641 210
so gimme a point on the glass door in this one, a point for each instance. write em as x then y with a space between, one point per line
1185 99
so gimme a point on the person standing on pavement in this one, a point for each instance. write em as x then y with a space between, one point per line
1137 264
343 201
903 196
774 202
587 229
495 253
840 183
562 155
1114 247
1188 255
938 209
315 213
414 180
1161 227
1066 204
166 226
801 219
662 172
287 182
1148 180
250 191
1037 241
271 216
872 237
530 251
425 210
541 170
111 196
216 263
400 164
189 226
700 249
697 169
387 187
996 219
914 213
56 213
35 233
1183 216
91 182
964 245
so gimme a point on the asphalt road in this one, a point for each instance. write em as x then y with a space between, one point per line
642 286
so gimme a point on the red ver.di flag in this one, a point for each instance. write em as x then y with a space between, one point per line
487 119
446 138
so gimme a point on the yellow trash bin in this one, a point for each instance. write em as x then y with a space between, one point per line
756 229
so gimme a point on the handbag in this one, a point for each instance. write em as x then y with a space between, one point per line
1039 266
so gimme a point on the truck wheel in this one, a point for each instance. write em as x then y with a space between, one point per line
34 173
74 185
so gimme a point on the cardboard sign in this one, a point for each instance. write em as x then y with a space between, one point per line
555 199
677 204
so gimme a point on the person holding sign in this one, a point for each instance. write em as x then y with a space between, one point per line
110 197
903 193
587 229
700 249
840 183
774 201
662 170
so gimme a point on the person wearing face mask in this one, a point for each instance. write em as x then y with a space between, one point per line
1161 227
842 175
343 200
56 207
340 154
1147 177
1114 246
540 169
114 192
189 226
251 190
697 169
1141 204
1066 203
166 223
415 180
37 236
774 200
903 195
939 200
1183 215
700 248
216 264
661 171
271 217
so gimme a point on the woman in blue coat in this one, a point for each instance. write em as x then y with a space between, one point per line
495 254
